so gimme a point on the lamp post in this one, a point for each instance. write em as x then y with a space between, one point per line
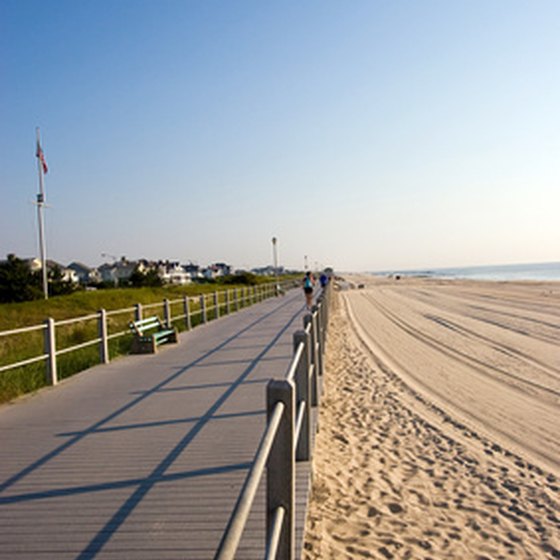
275 261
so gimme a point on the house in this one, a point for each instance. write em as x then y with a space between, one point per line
268 270
174 273
118 271
193 270
84 274
215 270
68 275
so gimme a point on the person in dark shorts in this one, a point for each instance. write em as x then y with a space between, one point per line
308 284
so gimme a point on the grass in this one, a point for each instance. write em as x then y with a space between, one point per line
19 347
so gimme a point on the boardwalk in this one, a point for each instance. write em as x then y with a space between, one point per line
144 458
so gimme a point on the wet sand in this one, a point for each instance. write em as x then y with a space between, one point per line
440 423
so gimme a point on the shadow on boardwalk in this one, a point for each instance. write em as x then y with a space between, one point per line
154 450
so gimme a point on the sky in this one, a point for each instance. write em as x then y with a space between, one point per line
364 135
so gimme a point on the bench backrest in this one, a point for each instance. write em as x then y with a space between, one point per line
144 325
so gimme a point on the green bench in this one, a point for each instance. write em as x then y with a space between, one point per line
149 333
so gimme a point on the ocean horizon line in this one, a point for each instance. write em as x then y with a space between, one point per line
502 272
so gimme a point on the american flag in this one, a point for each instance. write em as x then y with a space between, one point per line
41 157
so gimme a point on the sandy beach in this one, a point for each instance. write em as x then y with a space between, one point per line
440 423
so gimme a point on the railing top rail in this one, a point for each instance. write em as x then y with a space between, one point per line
77 319
152 305
119 311
234 530
23 330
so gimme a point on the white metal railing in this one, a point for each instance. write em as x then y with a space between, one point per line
192 306
286 440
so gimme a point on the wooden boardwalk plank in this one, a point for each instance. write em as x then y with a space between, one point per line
145 457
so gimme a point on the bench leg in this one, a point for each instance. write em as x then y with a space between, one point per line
143 346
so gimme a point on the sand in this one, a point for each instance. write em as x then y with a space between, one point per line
440 423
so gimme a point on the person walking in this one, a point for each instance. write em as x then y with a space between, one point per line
308 284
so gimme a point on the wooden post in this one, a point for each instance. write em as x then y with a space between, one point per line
104 341
303 394
187 313
216 305
228 309
203 308
166 313
308 320
318 345
280 485
50 350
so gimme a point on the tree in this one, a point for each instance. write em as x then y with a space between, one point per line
17 282
151 278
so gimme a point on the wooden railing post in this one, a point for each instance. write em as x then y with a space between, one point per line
216 306
203 314
280 484
50 350
317 344
228 308
308 320
303 394
187 312
236 298
166 313
104 341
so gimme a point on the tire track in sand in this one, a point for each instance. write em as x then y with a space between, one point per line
397 478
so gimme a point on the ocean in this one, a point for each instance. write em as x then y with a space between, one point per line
539 271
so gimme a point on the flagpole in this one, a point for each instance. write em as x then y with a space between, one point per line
40 206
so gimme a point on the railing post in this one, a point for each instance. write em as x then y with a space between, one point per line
318 346
203 314
308 320
166 313
104 341
50 350
236 298
216 306
316 311
228 308
187 313
280 483
138 312
303 394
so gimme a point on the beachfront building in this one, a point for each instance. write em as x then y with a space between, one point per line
174 273
85 274
67 274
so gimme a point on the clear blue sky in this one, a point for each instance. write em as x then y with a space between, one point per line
366 134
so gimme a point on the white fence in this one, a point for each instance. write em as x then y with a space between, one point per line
204 308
